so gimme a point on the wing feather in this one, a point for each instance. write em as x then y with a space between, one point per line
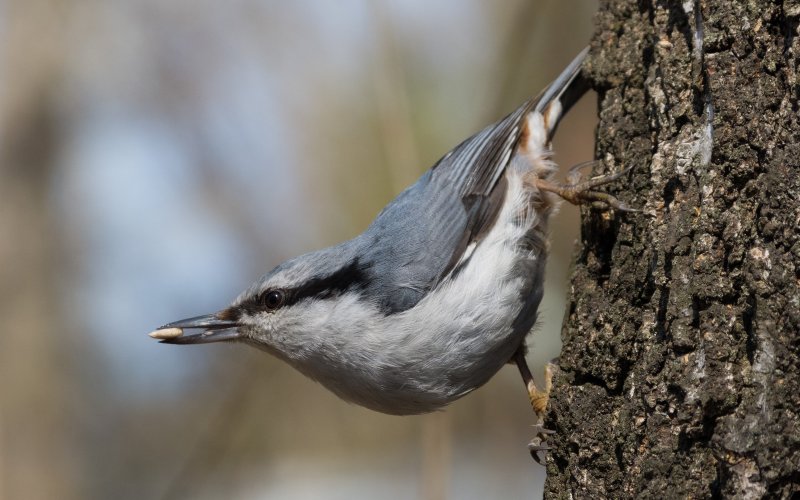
431 224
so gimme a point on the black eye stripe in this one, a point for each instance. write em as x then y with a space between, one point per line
351 277
348 278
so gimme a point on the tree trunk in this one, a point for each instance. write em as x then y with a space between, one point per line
680 367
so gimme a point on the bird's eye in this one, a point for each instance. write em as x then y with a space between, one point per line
272 299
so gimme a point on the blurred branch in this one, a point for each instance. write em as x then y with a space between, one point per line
39 459
516 46
401 154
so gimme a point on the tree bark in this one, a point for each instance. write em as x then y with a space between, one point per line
680 369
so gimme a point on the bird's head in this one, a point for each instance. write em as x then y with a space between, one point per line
289 311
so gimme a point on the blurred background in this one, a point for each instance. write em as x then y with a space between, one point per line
156 157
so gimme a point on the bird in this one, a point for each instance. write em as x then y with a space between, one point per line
440 291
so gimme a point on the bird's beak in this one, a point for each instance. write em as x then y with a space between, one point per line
215 327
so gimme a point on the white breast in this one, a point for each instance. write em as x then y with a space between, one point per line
449 344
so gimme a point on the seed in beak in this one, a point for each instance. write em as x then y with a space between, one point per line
166 333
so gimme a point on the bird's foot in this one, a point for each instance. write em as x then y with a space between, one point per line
539 398
580 192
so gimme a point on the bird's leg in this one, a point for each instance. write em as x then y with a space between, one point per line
538 399
580 192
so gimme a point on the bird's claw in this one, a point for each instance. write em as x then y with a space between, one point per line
538 446
538 398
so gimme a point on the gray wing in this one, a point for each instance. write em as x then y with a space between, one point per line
418 238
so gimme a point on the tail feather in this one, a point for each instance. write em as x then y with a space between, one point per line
544 116
562 94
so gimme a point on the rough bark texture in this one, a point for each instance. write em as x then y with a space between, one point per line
680 371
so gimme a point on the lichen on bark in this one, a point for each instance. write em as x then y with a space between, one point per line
680 370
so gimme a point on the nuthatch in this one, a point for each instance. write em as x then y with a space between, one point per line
441 289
